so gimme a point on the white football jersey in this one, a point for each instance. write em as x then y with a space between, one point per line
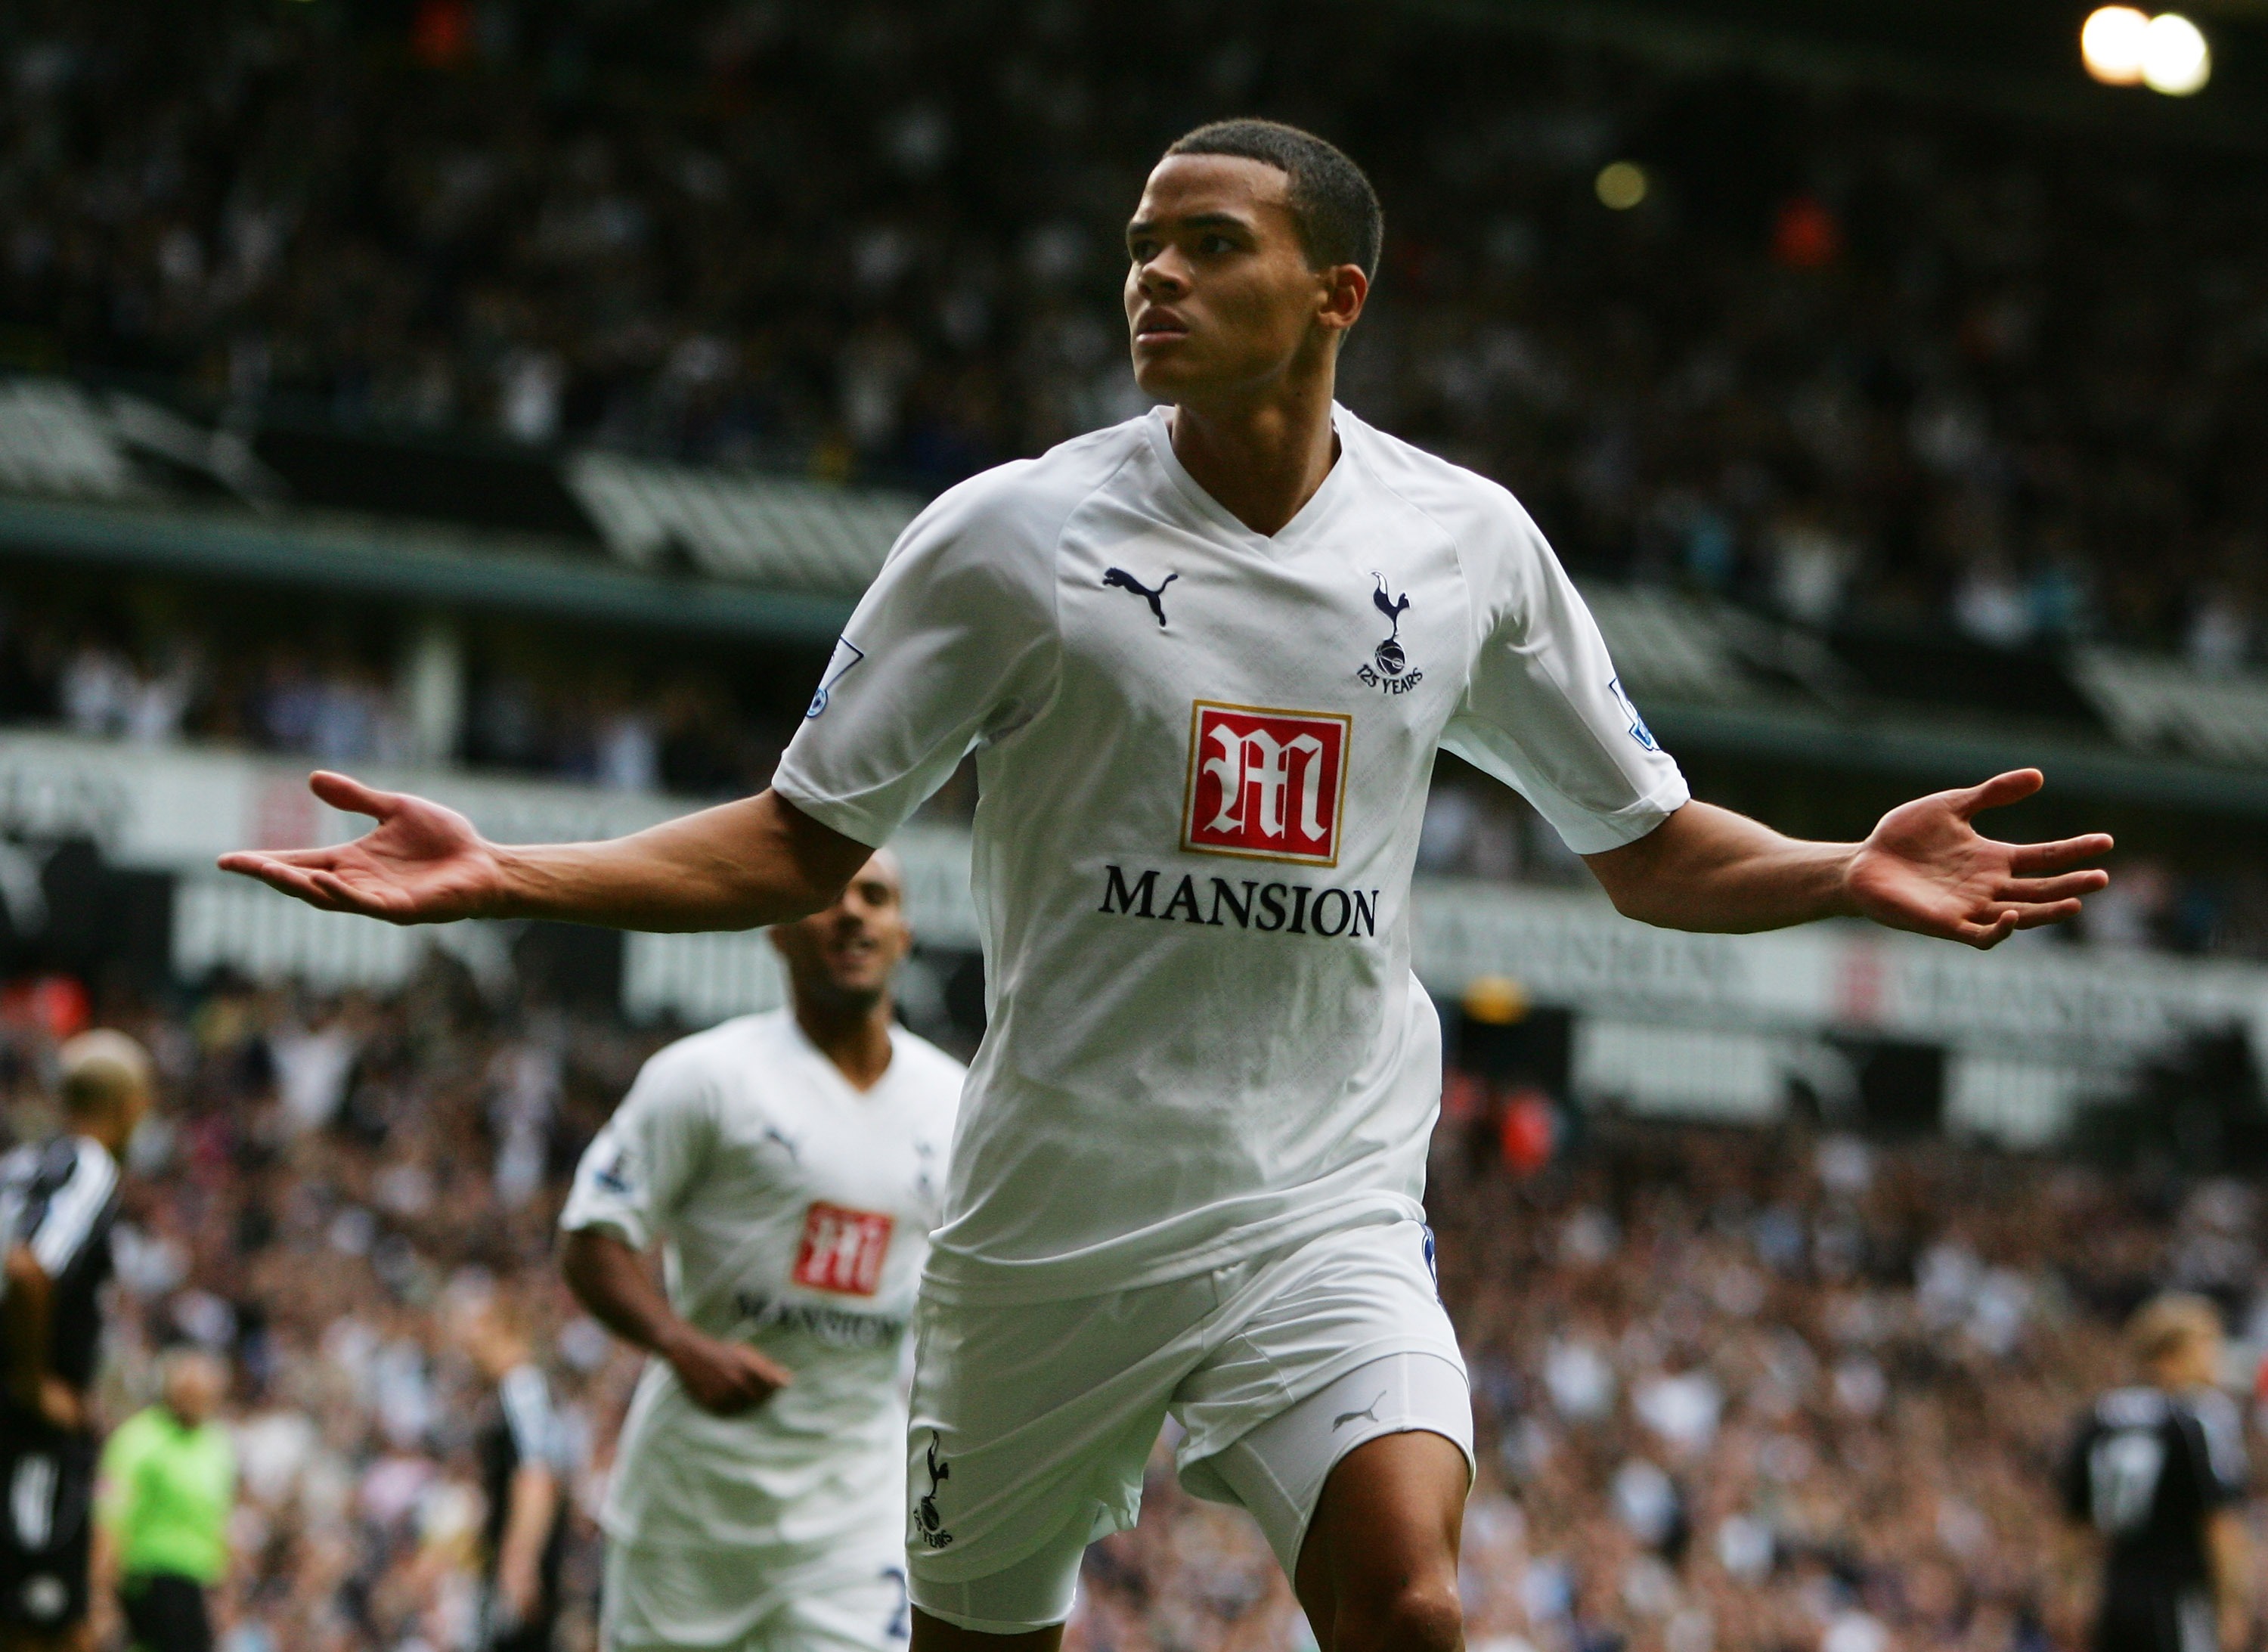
1203 757
795 1212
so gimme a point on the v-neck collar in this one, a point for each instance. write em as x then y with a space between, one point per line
812 1053
1216 515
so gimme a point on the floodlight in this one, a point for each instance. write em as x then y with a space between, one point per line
2111 41
1621 184
2176 60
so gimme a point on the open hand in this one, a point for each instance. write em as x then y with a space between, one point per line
421 864
725 1378
1925 868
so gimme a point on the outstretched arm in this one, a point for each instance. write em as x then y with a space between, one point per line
1923 868
760 860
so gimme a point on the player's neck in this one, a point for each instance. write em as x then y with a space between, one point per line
1260 458
104 1130
855 1039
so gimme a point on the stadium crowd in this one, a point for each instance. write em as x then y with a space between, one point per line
1477 828
1847 357
322 1181
1735 1389
619 723
684 731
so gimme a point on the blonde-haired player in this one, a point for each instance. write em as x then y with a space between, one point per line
57 1200
2158 1470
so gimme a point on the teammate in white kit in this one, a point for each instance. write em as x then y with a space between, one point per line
1205 661
792 1164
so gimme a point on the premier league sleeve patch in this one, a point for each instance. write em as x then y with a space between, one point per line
1639 731
847 654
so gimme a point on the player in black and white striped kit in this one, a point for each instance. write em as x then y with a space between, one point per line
58 1200
522 1443
2158 1470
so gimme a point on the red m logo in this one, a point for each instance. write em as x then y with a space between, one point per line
1266 784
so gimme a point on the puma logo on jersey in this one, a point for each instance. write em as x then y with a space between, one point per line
1346 1417
1119 580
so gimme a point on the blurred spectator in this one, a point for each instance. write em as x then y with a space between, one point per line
167 1488
675 728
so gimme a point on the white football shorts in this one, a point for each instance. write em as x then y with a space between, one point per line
672 1600
1032 1422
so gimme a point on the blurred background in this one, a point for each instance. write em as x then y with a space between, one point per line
509 400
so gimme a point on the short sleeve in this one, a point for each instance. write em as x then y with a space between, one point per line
2073 1481
2215 1435
116 1475
539 1434
636 1171
1544 711
79 1181
953 646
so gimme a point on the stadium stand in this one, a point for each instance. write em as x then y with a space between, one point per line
1856 357
1838 424
1725 1377
513 399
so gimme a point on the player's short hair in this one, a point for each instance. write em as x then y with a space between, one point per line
893 868
100 1069
472 1298
2168 1323
509 1313
1337 210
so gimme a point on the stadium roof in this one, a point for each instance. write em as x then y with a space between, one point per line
112 478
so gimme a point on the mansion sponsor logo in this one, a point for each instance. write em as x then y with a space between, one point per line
836 1327
1264 784
1290 909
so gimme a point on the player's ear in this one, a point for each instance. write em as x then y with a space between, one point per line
1345 289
